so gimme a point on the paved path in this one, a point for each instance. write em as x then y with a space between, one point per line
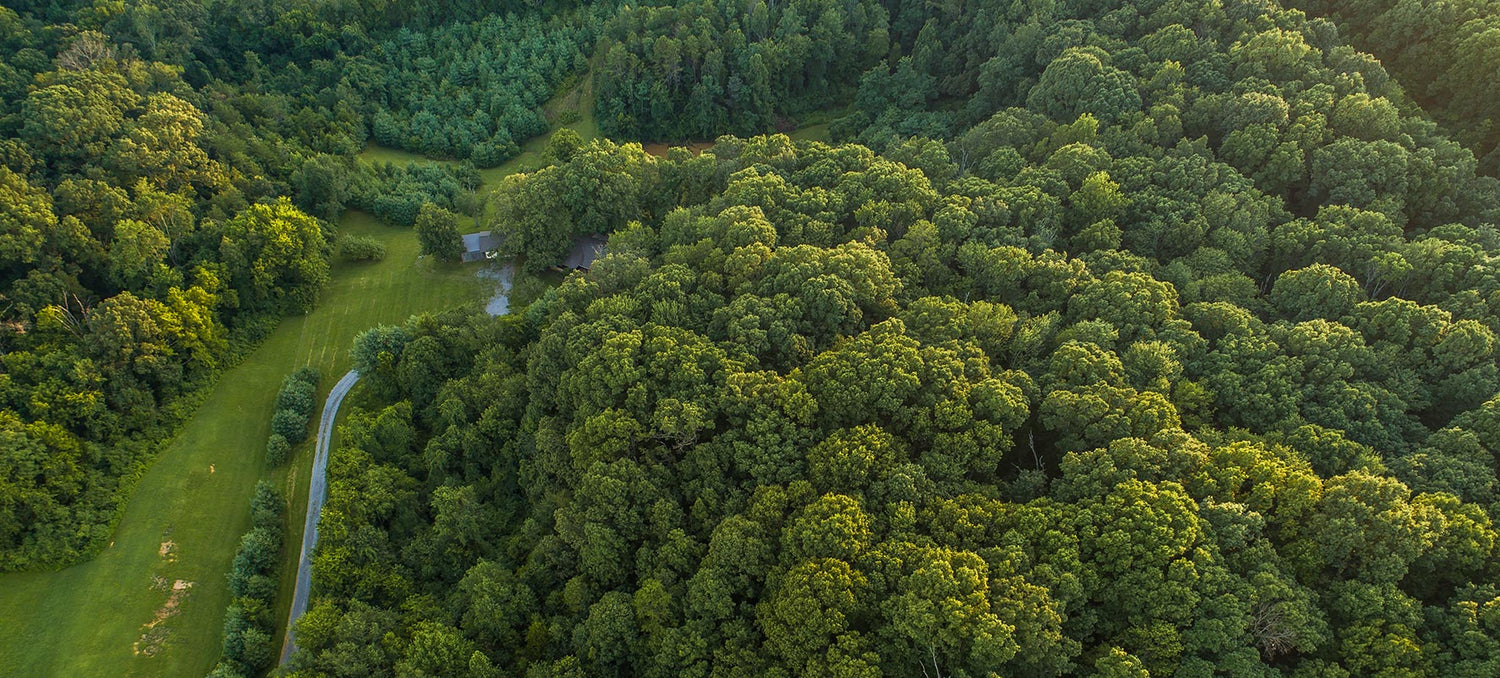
315 496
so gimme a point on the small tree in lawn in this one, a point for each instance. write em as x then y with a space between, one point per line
437 231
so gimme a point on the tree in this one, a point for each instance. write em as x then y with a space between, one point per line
563 145
73 115
834 526
1318 291
1079 81
1364 528
437 231
811 608
24 222
278 257
940 615
161 148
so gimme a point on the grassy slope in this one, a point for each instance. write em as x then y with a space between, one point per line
89 619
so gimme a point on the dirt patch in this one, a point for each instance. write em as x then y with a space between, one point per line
153 634
166 548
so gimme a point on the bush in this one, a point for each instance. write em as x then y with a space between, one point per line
298 393
295 403
357 248
277 449
266 507
306 373
260 550
257 652
235 624
290 425
298 400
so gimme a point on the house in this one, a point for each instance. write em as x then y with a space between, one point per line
480 246
584 252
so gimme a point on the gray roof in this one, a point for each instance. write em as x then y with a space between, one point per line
477 244
584 252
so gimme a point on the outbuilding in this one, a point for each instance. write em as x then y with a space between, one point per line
480 246
585 251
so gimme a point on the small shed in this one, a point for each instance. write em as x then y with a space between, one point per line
480 246
584 252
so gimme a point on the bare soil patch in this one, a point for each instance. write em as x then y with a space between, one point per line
153 634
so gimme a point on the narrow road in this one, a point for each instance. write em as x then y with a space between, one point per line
315 495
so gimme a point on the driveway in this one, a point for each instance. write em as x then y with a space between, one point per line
315 495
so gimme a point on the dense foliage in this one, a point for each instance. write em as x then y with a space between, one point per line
699 69
249 623
360 248
438 234
158 167
822 413
1113 339
137 253
1445 55
473 91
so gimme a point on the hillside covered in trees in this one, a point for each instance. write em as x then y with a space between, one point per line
1130 339
816 415
1102 339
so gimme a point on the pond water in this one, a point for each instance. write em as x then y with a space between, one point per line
502 272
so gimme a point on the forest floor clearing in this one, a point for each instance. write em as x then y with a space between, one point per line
187 514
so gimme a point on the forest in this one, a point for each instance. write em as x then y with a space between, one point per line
1055 461
1128 341
1100 339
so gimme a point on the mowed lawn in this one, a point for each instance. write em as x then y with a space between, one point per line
152 604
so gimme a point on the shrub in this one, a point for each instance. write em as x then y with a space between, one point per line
257 652
277 449
297 395
306 373
290 425
260 549
267 506
295 403
358 248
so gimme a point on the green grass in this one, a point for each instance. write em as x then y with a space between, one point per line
818 132
90 619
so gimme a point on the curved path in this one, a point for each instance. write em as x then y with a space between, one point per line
315 495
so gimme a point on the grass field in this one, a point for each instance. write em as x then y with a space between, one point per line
152 604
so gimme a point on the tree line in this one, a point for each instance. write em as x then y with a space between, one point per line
145 243
694 70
